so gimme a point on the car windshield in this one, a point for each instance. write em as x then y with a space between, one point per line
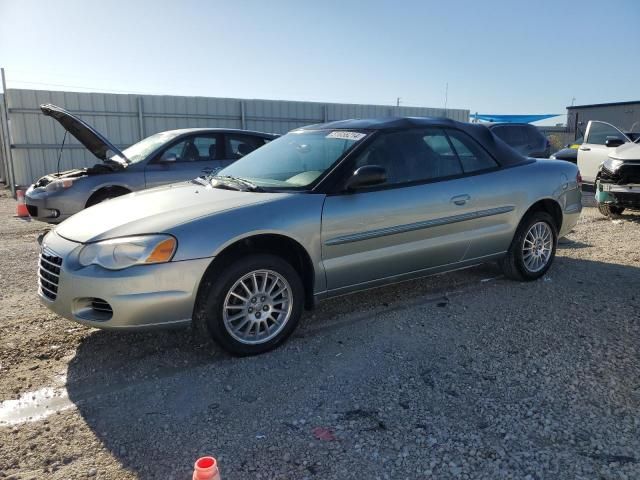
141 150
295 160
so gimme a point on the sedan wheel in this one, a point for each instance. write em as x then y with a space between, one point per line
537 247
532 249
257 307
251 305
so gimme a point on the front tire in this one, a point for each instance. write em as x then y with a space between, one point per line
609 210
532 249
251 306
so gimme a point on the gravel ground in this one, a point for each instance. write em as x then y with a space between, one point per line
464 375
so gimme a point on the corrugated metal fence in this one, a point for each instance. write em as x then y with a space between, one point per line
125 119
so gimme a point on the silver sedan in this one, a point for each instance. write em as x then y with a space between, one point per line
165 157
322 211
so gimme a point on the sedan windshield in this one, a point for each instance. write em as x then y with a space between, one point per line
295 160
141 150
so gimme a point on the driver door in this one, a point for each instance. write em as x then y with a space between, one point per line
187 158
415 221
594 151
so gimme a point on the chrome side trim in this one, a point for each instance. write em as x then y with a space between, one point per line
410 227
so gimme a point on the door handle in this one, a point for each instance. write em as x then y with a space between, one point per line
460 199
585 149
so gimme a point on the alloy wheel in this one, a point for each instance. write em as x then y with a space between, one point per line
257 307
537 247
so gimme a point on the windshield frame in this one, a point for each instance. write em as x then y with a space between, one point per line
315 186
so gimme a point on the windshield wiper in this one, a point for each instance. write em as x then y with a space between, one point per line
246 185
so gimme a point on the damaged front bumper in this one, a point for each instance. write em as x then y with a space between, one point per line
620 187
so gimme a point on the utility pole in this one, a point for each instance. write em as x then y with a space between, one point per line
446 98
573 101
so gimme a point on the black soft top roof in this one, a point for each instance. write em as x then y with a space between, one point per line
502 152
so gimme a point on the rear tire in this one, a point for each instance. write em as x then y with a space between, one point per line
239 307
609 210
532 249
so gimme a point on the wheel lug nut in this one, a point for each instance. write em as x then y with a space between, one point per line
257 314
250 309
262 299
265 308
253 300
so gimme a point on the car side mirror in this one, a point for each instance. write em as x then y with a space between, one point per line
168 158
612 142
367 176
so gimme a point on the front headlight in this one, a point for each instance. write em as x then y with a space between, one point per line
611 164
59 185
119 253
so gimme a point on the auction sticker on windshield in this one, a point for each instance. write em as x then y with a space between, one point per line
345 135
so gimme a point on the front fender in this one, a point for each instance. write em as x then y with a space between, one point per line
297 217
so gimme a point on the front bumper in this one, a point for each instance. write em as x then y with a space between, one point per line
46 206
139 297
627 196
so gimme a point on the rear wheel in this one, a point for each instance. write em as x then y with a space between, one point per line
532 249
251 306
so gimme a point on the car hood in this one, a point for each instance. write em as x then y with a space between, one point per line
156 210
85 134
628 151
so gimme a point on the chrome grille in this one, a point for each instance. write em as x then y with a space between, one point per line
49 274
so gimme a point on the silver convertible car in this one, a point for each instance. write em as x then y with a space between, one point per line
322 211
165 157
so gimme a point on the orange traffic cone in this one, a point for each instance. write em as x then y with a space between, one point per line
206 468
21 208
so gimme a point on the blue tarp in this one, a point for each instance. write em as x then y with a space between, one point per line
512 118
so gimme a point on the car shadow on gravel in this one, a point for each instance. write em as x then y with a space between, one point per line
158 400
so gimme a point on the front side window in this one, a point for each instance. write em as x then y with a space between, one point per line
295 160
599 132
194 149
412 156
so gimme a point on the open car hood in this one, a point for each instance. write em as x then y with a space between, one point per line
84 133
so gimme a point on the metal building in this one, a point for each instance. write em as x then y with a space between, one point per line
624 115
31 148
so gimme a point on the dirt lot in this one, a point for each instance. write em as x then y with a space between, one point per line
465 375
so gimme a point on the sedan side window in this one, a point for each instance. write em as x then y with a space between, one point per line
193 149
240 145
412 156
599 132
472 156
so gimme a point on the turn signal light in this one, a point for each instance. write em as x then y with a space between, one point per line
162 252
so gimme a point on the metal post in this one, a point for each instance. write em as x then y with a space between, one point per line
140 118
7 141
3 153
243 118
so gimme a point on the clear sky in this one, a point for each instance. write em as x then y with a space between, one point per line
496 56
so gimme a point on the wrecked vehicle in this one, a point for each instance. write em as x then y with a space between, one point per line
163 158
322 211
618 181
